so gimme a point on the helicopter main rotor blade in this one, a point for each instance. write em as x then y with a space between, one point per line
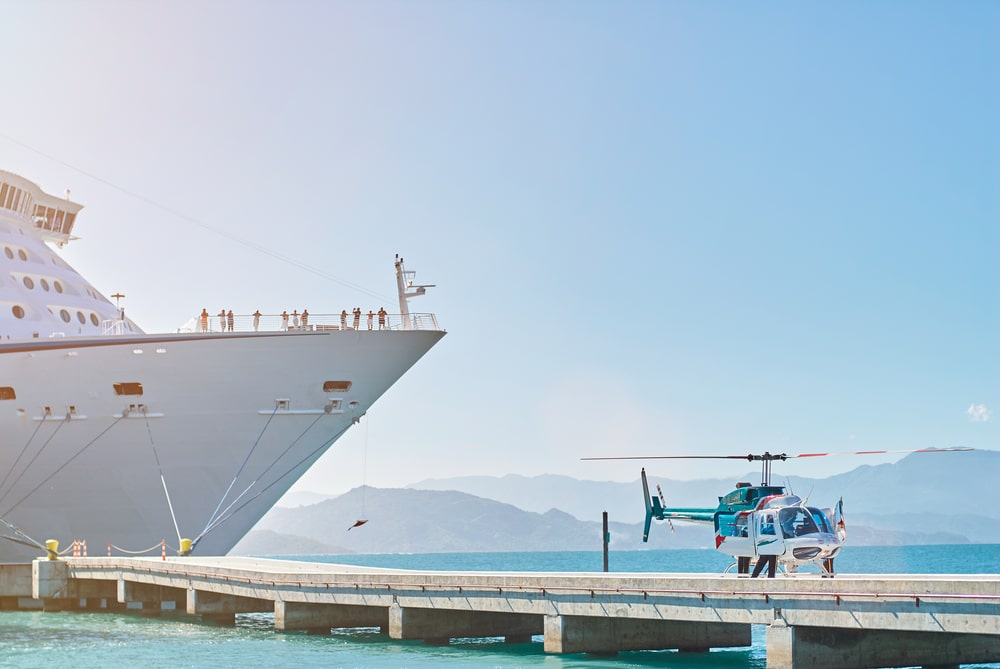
778 456
677 457
916 450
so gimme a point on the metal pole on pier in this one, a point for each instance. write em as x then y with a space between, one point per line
607 538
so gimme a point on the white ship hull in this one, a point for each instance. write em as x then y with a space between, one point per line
132 441
208 405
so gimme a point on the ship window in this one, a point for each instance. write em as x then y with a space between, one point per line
93 318
57 286
10 254
128 388
18 311
63 314
7 393
336 386
28 283
80 317
22 255
45 284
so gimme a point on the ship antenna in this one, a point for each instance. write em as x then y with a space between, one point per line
404 281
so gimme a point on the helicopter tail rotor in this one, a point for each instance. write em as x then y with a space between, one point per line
663 505
650 503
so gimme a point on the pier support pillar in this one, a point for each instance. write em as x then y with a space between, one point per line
440 625
50 583
49 579
321 618
150 595
796 647
586 634
222 608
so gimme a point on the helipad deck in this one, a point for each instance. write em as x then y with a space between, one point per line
848 621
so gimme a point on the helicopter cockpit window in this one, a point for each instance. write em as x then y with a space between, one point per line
821 522
796 521
767 525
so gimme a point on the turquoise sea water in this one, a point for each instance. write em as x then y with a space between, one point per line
121 641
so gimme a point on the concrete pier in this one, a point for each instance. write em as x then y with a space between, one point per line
850 622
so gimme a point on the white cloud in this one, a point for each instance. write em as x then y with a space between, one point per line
978 413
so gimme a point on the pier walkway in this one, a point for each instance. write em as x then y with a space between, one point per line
848 621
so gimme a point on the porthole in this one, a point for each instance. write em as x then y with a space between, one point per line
80 317
28 283
45 284
57 286
10 254
22 255
93 318
63 314
18 311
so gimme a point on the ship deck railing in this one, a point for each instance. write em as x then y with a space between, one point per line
314 323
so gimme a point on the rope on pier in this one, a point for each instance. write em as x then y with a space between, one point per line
160 544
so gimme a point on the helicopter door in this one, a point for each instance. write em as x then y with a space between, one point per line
769 541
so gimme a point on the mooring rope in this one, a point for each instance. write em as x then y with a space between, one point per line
266 470
215 513
26 541
60 467
260 492
24 450
163 479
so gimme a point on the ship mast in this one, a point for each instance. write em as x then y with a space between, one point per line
404 281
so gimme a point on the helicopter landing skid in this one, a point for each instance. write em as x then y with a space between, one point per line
743 566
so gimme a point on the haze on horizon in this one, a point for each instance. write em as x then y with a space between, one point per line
654 228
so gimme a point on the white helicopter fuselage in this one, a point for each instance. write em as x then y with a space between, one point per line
780 525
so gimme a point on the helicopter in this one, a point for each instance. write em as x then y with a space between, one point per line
762 524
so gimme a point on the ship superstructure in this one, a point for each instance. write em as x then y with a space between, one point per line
126 439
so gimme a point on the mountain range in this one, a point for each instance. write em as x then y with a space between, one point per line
925 498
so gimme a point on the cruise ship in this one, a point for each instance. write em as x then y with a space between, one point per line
118 440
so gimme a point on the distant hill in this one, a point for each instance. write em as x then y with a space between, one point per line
927 493
419 521
302 498
269 542
920 482
922 499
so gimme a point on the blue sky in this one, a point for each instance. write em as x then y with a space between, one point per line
655 227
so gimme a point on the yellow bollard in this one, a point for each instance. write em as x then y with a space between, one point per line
185 547
52 546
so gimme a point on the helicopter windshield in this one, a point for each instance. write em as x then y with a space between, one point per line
821 520
796 521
